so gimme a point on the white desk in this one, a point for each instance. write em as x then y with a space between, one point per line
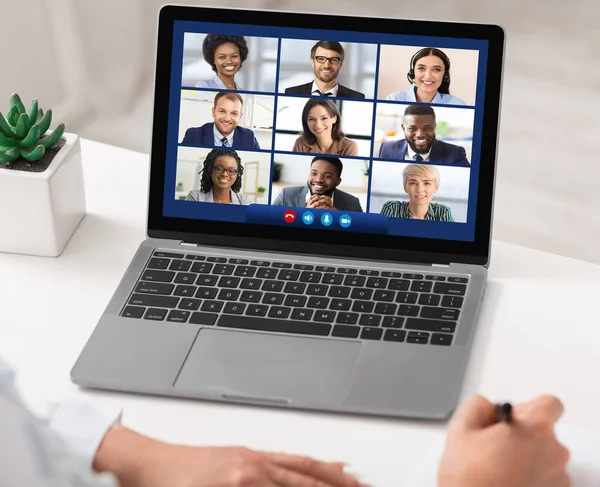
539 333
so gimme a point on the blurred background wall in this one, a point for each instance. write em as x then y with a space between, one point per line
93 63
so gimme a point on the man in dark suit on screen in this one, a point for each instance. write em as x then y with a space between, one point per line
327 58
224 131
420 144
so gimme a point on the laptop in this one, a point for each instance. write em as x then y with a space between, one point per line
319 215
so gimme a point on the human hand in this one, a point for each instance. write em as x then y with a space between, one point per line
320 201
139 461
480 451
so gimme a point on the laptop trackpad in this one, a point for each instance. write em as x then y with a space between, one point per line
274 369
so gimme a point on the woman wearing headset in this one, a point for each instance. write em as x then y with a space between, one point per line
430 74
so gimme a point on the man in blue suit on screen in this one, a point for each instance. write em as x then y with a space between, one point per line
224 131
420 143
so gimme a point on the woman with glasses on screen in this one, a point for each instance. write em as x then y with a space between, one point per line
421 182
322 130
221 179
429 74
225 54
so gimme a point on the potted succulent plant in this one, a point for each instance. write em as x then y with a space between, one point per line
42 197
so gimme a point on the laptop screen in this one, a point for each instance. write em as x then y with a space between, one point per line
338 131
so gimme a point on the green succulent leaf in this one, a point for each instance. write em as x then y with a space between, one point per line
12 151
33 113
32 137
39 115
5 127
34 153
22 125
15 101
7 141
13 116
52 139
44 122
4 157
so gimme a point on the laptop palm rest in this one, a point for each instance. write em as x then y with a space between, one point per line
272 369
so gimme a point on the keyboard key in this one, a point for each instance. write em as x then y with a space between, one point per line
251 296
199 318
238 261
220 260
393 322
317 290
223 269
180 265
281 265
213 306
421 286
377 282
256 310
250 283
154 288
422 341
273 298
371 333
324 316
206 292
157 276
260 263
386 308
279 312
406 298
409 275
318 302
169 255
418 334
339 292
340 304
274 325
178 316
355 280
345 331
275 286
288 275
195 257
332 279
429 299
304 267
347 318
391 274
303 314
449 288
155 314
230 282
245 271
185 278
229 294
408 310
185 291
204 280
368 272
430 325
441 339
295 301
384 295
394 335
361 293
158 263
452 301
363 306
294 288
267 273
189 304
153 300
398 284
440 313
234 308
133 312
324 268
435 278
202 267
347 270
462 280
369 320
310 277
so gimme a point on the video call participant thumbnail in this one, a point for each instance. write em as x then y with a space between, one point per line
322 130
221 179
429 72
225 54
420 182
224 131
327 59
321 190
420 143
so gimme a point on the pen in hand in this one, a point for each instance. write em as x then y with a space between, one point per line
504 412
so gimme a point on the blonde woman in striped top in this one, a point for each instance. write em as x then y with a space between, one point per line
421 182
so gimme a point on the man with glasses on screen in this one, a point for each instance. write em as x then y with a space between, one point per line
327 58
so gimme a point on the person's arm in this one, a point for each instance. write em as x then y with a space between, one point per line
462 156
187 138
481 451
255 143
280 198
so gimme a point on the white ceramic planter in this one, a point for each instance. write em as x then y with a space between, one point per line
39 212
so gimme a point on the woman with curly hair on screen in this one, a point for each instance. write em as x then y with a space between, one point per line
221 179
225 54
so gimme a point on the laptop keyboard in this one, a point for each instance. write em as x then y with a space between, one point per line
299 299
